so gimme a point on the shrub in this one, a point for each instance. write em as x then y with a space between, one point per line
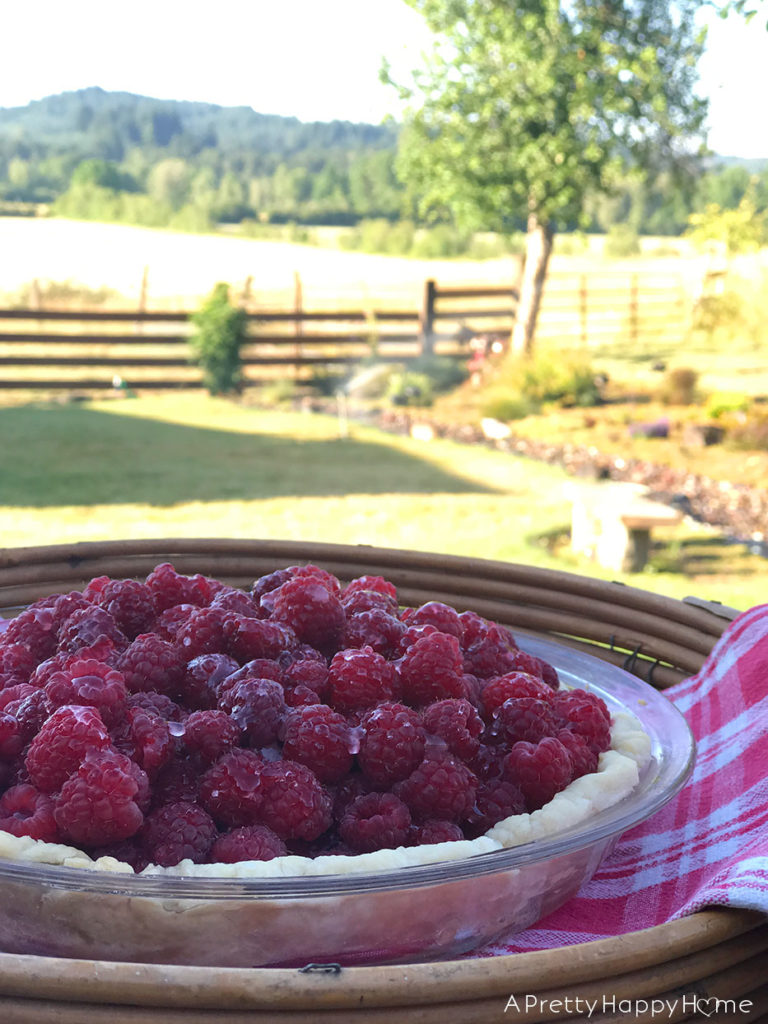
679 386
508 407
444 373
408 388
566 379
219 331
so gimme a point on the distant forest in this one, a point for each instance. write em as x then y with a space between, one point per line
114 156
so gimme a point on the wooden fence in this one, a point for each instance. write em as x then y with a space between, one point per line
47 349
63 349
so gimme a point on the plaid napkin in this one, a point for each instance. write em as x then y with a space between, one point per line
709 845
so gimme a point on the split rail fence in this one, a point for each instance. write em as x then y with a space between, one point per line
49 349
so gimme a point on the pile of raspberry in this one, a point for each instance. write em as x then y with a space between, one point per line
182 718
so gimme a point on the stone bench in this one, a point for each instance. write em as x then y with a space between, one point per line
612 523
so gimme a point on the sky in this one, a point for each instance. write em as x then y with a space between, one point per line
305 58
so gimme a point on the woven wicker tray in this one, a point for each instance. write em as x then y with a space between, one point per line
719 954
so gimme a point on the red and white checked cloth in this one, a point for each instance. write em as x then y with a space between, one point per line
709 845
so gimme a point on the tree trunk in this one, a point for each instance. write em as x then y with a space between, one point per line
538 247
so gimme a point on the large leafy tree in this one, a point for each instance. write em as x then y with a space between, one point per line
527 107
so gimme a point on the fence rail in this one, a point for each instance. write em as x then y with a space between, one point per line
49 349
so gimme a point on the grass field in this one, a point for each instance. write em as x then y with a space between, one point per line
193 466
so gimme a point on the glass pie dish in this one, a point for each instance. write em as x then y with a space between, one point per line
410 914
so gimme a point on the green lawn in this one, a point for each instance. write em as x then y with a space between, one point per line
187 465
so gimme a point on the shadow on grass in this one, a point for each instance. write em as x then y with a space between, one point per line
73 455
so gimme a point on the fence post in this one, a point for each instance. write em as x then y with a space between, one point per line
298 307
143 298
633 310
427 319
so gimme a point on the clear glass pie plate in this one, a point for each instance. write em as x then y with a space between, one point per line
411 914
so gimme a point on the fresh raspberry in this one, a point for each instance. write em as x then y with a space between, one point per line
179 780
441 616
61 744
299 652
17 663
320 738
66 604
525 718
30 711
311 674
377 821
254 842
169 588
514 684
495 800
391 744
472 687
210 734
168 623
366 601
441 787
248 639
368 584
586 714
311 610
257 668
15 693
301 696
412 634
35 628
473 628
257 706
537 667
231 789
432 669
488 762
329 581
25 811
90 684
100 802
294 803
146 739
375 628
231 600
540 770
361 679
157 704
204 675
11 737
203 632
86 626
456 722
434 832
491 655
177 832
344 793
130 604
583 759
269 583
150 663
93 589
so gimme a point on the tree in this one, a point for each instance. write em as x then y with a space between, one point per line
526 107
219 332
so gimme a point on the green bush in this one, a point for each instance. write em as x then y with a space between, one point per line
219 331
444 373
679 386
508 407
565 379
407 388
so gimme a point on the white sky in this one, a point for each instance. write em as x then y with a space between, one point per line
314 59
